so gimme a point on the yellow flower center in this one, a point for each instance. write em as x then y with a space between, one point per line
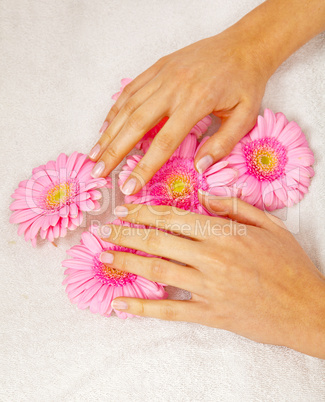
58 195
265 160
178 186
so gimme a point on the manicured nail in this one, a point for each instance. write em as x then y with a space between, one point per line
94 152
106 258
103 127
203 192
128 187
104 231
121 211
98 170
119 305
204 163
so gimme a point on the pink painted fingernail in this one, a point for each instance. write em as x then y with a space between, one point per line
121 211
204 163
94 152
119 305
103 127
98 170
128 187
106 258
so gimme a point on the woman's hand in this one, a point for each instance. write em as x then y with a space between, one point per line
247 274
219 75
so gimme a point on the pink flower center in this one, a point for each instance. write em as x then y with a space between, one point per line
59 195
112 276
177 183
265 158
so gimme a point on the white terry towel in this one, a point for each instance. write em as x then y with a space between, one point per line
60 63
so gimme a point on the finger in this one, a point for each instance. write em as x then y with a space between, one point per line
162 147
221 143
175 220
130 89
171 310
122 115
237 210
140 122
153 241
155 269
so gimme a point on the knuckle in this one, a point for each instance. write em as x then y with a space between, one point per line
167 312
164 143
135 122
129 107
162 60
140 310
128 89
117 235
111 153
122 262
152 239
209 97
114 111
143 167
138 214
226 145
158 270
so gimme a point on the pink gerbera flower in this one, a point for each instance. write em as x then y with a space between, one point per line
199 129
91 283
53 199
177 182
273 162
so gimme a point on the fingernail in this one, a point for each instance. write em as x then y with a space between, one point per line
104 231
106 258
203 192
121 211
94 152
98 170
119 305
204 163
128 187
103 127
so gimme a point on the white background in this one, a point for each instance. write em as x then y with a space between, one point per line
60 63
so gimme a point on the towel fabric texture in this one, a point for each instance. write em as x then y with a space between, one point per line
60 63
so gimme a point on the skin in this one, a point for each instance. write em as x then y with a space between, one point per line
273 295
225 74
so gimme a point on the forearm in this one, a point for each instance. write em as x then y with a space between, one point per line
277 28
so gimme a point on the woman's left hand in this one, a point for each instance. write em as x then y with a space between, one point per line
247 274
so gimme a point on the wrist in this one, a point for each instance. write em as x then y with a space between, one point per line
312 322
276 29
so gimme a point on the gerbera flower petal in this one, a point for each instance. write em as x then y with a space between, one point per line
78 165
55 196
91 242
22 215
124 83
177 182
273 154
90 283
215 168
61 161
203 141
80 252
224 177
201 127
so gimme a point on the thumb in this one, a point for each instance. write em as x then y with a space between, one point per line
223 141
239 211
